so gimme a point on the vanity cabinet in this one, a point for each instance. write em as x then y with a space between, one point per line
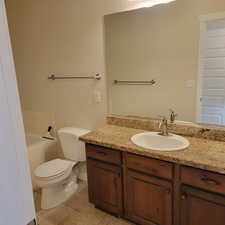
199 207
149 199
149 191
203 201
104 181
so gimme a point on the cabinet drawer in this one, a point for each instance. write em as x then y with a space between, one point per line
203 179
103 154
151 166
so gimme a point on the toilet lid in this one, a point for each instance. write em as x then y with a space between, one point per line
52 168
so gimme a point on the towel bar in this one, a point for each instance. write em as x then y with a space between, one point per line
53 77
152 82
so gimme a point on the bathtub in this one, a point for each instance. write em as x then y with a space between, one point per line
40 150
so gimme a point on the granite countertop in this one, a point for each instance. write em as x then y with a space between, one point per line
202 153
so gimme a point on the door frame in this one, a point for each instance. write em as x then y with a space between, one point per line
16 205
203 20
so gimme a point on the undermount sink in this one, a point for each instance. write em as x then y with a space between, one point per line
155 141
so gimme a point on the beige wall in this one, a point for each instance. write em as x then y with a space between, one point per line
160 43
38 122
61 37
66 37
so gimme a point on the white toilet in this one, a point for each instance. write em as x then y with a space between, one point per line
58 177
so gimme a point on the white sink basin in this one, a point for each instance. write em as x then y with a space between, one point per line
156 142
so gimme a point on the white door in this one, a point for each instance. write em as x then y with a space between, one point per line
213 73
16 199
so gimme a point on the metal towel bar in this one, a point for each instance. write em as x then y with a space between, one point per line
152 82
53 77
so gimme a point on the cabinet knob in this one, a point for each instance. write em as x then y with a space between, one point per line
184 196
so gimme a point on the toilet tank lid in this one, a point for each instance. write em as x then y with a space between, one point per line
73 130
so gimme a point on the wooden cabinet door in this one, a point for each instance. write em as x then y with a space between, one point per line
148 199
105 186
201 208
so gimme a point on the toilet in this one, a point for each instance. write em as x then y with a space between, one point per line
58 177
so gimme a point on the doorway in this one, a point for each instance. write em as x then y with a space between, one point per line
211 88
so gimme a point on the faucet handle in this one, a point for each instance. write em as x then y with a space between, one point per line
163 120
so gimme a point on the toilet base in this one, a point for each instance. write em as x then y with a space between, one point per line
57 194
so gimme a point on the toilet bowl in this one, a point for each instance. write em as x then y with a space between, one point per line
58 178
57 182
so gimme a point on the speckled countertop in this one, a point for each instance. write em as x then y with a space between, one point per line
202 153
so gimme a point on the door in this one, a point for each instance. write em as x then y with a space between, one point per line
105 186
198 207
148 199
16 199
212 75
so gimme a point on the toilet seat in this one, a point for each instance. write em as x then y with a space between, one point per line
53 169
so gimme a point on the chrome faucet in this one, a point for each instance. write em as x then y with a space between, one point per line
163 125
173 116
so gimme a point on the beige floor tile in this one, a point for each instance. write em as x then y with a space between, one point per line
78 211
66 216
54 216
45 222
81 219
80 203
112 220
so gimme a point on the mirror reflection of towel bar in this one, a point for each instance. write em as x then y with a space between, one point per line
53 77
152 82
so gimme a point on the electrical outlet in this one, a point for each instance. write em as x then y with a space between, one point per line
190 83
98 96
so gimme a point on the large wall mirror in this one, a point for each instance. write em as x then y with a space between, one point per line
169 56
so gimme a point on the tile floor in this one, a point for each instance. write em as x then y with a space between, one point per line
76 211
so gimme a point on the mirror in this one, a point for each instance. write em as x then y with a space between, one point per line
169 56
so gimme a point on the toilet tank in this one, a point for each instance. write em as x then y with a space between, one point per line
73 148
